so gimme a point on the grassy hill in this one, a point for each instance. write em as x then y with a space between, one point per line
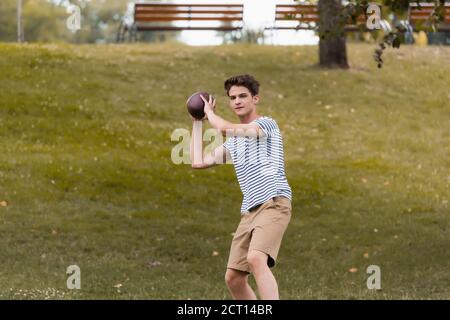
86 175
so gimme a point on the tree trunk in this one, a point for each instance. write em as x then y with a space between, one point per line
20 37
332 47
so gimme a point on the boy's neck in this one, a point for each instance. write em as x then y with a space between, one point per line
249 118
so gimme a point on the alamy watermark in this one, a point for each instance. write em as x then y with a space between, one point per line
74 279
374 280
73 22
373 21
256 150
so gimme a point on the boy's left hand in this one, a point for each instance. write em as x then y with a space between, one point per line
210 105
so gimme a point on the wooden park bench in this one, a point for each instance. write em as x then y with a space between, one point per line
419 16
302 17
178 17
306 16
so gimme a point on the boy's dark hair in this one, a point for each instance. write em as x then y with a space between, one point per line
244 80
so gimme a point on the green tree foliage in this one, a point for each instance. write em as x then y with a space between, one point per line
8 23
45 20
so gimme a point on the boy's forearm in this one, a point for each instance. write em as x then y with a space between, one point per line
196 147
217 122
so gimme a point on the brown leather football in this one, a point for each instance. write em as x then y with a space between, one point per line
196 105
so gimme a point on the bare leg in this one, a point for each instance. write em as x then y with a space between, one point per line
267 285
237 284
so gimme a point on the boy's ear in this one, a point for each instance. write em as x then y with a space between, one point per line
255 99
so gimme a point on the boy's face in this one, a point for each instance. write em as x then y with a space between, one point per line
241 100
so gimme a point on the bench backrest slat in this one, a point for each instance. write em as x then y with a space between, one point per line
420 14
168 18
189 11
155 16
160 12
303 13
169 5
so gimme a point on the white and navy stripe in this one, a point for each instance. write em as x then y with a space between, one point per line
259 164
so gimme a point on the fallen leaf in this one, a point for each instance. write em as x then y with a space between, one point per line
215 253
151 264
366 255
3 204
119 285
353 270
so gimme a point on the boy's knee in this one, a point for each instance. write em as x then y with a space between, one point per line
256 260
235 279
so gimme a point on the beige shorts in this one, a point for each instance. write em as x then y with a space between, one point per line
261 229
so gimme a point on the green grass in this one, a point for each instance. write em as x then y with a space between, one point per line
86 171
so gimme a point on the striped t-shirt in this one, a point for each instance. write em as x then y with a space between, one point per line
259 164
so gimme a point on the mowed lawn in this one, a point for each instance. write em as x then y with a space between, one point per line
87 179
